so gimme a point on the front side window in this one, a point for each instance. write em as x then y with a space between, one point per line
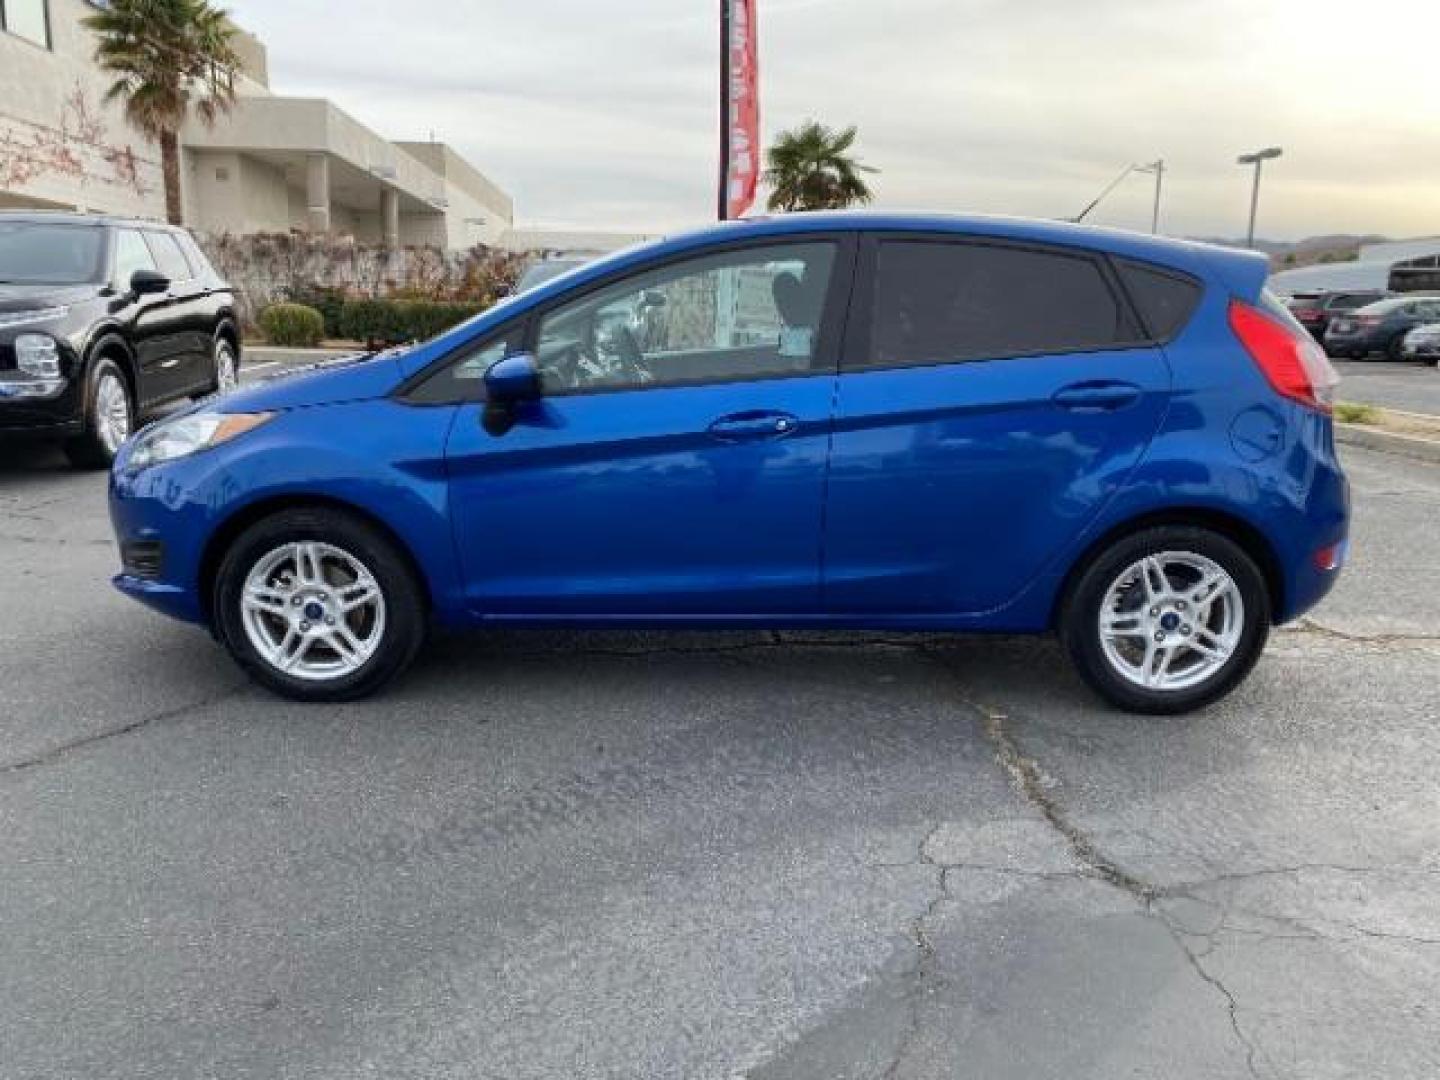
939 302
131 254
37 253
462 379
26 19
168 256
732 316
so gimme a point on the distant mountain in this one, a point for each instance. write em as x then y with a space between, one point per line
1288 254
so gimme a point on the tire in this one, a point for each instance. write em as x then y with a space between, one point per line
1236 620
1395 348
109 417
319 551
224 366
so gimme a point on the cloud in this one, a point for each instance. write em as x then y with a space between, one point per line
604 114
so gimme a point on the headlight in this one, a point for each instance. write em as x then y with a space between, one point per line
20 318
38 355
173 439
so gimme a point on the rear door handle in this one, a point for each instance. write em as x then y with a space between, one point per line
756 424
1100 396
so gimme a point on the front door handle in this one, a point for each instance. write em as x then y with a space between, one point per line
1099 396
756 424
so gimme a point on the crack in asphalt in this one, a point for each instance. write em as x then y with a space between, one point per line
63 750
1311 626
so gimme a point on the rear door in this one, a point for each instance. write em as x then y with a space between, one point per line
992 397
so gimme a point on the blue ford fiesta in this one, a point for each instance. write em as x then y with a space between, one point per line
840 420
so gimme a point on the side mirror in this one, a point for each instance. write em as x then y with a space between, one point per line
513 379
147 282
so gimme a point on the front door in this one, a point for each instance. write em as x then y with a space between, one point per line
675 465
157 328
993 396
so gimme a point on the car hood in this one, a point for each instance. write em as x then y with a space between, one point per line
28 297
329 382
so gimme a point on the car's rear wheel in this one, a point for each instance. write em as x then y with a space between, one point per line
109 418
226 365
1167 620
319 605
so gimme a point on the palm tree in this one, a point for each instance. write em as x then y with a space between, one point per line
167 56
810 169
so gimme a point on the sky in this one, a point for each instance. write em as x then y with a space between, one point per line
602 113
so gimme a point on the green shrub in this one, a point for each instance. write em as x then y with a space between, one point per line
292 324
1356 414
326 299
396 321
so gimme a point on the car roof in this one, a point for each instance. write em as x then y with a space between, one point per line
67 217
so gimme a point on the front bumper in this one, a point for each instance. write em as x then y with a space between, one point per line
161 533
42 418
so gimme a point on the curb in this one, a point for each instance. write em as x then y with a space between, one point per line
1388 442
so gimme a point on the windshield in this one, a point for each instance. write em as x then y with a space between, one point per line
45 253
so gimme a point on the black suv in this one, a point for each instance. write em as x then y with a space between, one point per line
102 319
1317 311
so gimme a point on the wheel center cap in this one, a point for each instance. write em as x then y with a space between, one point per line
313 611
1169 621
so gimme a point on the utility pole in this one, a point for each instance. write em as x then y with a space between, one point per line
1258 158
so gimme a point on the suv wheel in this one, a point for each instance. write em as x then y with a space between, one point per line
109 418
226 365
1167 620
318 605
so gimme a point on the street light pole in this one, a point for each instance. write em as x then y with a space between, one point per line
1158 169
1256 159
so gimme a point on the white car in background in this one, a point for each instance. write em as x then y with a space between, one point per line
1423 344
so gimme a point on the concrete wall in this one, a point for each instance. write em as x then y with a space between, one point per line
60 145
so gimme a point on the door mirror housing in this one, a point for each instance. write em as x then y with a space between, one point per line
148 282
513 379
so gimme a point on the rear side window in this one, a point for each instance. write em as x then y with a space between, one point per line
168 256
938 302
1165 300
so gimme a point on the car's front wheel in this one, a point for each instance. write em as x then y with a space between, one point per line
226 365
319 605
109 418
1167 620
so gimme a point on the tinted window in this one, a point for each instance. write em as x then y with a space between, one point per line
1165 300
737 315
131 254
939 301
42 254
168 256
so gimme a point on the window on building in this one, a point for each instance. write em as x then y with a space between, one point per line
939 302
28 19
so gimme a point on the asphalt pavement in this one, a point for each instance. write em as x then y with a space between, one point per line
686 855
1406 386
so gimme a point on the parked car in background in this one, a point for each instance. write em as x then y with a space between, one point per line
1380 327
102 319
846 421
1423 344
1315 311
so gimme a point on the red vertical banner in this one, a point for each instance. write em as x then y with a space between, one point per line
739 108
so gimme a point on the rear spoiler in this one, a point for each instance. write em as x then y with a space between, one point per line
1243 272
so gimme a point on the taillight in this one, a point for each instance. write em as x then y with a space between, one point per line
1294 365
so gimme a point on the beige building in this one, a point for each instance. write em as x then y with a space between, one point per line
273 164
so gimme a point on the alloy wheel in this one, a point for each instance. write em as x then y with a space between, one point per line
313 611
112 412
227 377
1171 620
